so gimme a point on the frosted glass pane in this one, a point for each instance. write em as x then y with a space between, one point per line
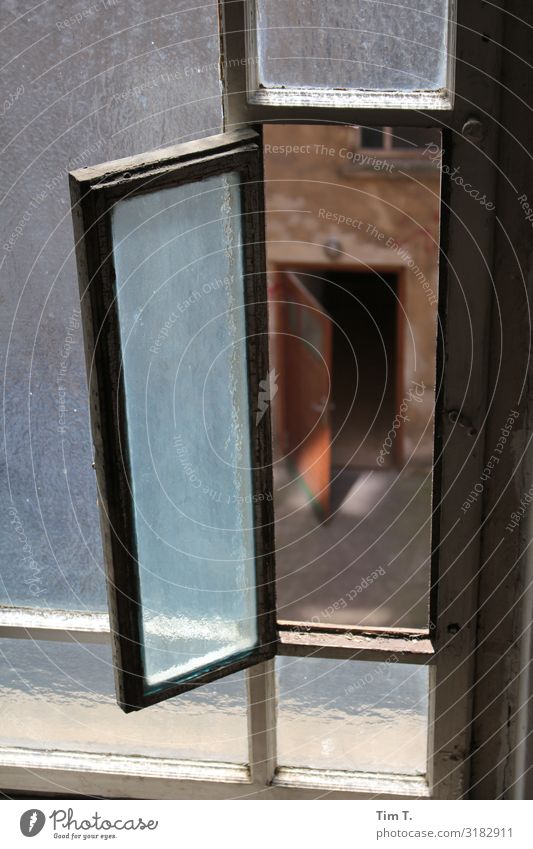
87 82
353 44
182 323
61 696
352 715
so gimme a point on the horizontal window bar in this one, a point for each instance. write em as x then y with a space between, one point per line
153 778
362 115
29 623
334 98
377 784
363 630
105 764
296 638
402 645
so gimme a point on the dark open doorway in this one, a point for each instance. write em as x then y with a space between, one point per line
366 367
338 351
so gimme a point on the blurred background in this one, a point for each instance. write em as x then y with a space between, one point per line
352 250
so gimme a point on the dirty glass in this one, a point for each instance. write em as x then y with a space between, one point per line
82 83
60 696
353 44
178 264
352 715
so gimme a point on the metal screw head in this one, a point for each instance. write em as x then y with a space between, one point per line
332 248
473 130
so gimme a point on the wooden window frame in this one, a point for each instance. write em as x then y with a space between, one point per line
471 138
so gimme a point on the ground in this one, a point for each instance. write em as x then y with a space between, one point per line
380 523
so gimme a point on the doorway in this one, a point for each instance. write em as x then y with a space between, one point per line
337 349
366 365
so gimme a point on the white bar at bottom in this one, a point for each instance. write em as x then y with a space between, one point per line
241 825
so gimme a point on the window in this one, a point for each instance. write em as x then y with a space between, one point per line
190 576
167 638
349 51
409 141
371 137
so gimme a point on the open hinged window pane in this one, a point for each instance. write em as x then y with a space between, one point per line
171 260
350 52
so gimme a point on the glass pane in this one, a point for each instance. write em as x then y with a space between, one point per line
86 82
354 251
61 696
352 715
353 44
178 266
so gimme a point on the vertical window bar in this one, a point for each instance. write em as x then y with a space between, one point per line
262 722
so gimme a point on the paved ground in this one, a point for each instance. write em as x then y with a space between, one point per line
380 524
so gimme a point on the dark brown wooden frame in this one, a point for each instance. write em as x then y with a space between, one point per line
94 191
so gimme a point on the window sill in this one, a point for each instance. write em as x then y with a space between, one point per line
374 784
354 98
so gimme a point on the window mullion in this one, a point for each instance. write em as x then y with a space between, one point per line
351 645
262 721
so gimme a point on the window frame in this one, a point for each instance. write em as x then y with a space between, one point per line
94 192
462 412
